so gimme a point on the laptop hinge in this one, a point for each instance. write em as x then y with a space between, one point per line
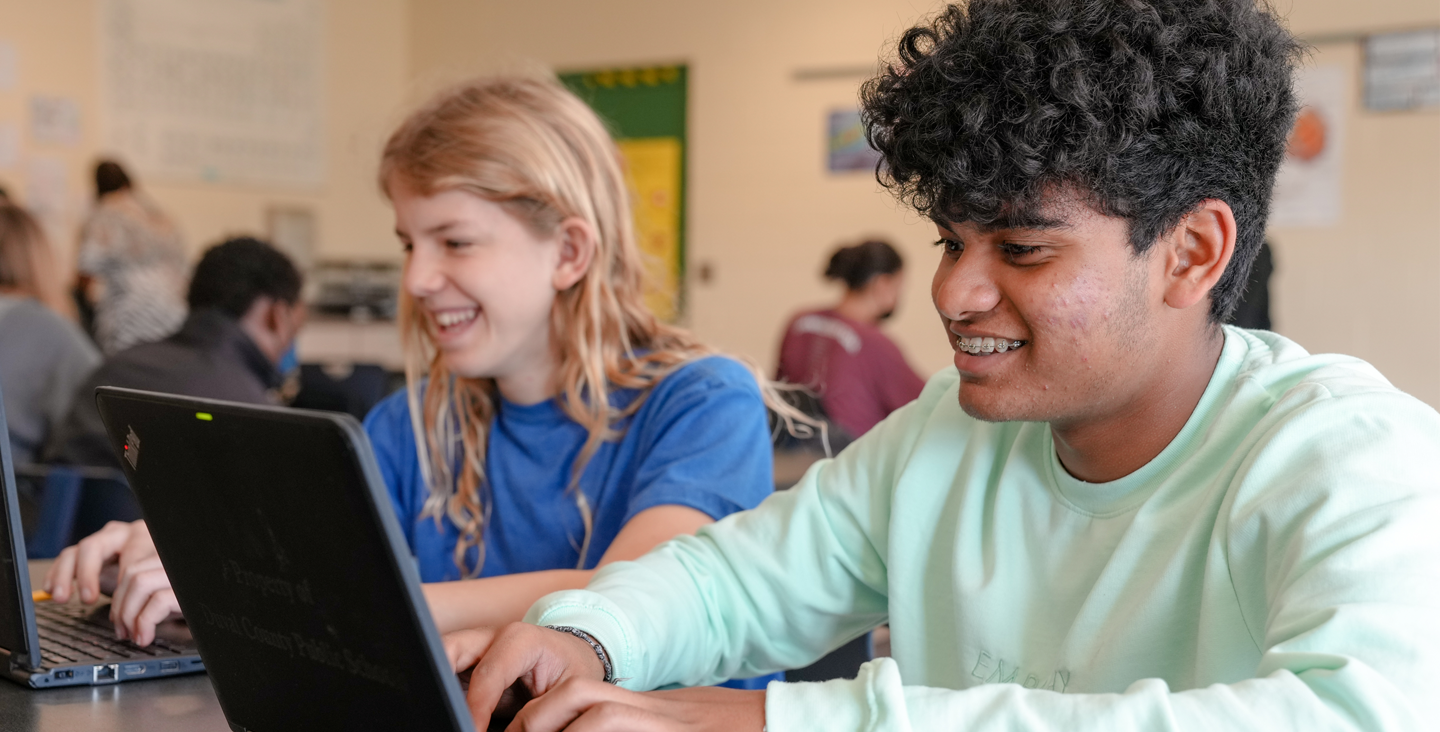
18 661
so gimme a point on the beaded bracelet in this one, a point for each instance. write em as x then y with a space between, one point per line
599 649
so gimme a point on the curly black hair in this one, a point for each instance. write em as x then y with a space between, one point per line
233 274
1145 107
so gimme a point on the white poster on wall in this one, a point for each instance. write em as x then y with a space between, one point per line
9 66
47 188
9 145
1308 188
54 120
216 90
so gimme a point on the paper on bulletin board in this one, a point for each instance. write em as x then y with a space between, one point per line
9 145
222 91
9 66
654 168
54 120
1308 188
47 188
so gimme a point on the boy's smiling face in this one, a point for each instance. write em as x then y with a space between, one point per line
1085 309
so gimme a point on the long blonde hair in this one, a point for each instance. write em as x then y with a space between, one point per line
537 150
27 265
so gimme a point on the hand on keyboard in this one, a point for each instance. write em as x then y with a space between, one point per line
142 597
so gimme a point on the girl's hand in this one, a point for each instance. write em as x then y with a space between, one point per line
80 566
142 597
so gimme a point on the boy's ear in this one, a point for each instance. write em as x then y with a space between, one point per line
578 243
1198 250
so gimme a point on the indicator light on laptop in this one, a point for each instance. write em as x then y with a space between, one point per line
40 596
204 417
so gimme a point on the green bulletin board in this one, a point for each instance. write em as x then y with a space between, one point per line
645 110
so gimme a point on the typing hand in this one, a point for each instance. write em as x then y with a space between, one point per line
558 680
517 663
594 706
142 597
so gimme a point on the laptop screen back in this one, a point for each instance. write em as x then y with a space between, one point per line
17 632
287 562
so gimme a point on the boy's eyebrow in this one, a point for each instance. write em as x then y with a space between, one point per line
1033 222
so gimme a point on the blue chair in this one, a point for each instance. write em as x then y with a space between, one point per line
74 502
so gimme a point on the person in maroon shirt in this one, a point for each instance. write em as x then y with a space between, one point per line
858 374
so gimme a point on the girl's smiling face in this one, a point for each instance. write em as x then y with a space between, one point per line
485 282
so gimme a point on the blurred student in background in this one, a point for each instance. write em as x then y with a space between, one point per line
131 265
840 354
245 311
43 355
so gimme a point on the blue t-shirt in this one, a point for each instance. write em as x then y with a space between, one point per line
699 440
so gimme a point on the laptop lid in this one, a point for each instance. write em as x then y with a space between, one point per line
18 633
288 562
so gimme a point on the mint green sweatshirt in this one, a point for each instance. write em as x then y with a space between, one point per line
1276 567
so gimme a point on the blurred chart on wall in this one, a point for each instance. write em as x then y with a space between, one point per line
1402 70
226 91
645 108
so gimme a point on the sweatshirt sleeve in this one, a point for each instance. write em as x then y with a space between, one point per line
760 591
1331 539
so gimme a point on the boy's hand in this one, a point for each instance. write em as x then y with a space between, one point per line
584 705
531 659
549 680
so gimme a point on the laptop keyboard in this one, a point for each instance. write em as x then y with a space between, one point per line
71 633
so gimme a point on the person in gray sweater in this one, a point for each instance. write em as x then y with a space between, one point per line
44 356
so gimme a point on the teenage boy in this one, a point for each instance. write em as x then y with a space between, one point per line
1114 513
245 311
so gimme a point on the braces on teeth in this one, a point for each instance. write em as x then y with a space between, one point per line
988 345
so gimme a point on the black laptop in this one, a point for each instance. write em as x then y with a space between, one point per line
288 562
47 644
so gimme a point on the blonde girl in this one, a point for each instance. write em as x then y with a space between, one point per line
551 423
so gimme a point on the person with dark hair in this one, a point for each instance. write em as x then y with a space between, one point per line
43 354
840 355
1115 513
131 264
110 177
245 311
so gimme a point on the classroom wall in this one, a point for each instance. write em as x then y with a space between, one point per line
366 72
764 214
1370 285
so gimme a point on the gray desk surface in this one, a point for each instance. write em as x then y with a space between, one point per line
161 705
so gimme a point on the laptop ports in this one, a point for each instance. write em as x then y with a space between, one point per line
107 672
168 666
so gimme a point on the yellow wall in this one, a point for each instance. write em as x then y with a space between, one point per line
764 213
366 72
